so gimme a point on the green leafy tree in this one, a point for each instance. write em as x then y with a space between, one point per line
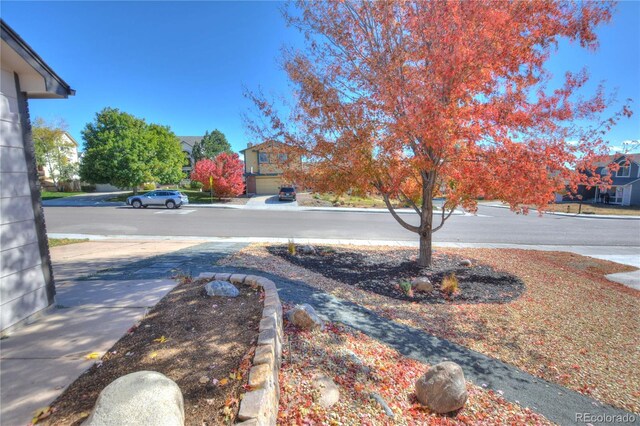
53 151
126 151
211 145
169 157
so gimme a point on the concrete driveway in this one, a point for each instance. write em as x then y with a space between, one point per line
270 202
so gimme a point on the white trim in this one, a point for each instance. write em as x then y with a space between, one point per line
623 167
626 195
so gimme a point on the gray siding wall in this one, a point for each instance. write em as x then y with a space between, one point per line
635 194
26 285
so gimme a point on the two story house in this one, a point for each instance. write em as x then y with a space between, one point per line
263 167
625 185
70 152
187 143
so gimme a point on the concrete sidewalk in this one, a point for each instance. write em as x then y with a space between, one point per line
40 359
623 255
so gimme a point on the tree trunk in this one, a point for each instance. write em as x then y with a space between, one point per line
424 260
426 220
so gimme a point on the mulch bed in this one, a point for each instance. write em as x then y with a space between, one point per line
188 336
382 272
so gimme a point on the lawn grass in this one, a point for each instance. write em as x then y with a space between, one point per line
48 195
604 209
57 242
572 326
195 197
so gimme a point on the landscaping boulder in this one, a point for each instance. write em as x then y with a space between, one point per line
422 285
307 250
221 288
141 398
305 317
329 392
466 262
442 389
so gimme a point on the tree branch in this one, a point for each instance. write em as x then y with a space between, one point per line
443 219
410 202
395 215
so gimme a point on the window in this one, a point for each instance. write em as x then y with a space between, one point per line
263 157
282 158
624 170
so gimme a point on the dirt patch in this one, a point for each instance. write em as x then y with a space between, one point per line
383 273
187 336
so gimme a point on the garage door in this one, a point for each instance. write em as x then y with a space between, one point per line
266 186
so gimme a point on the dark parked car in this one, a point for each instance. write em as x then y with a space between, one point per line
169 199
287 193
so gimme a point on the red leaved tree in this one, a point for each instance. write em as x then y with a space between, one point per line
441 98
223 174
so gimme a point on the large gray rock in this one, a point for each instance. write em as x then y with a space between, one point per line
328 390
422 285
141 398
221 288
305 317
307 250
442 389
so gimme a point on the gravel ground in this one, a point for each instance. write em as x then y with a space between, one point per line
361 367
571 326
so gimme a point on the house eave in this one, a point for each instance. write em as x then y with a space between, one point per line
54 85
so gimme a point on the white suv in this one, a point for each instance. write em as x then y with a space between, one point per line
169 199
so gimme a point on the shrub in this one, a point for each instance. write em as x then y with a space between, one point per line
406 288
450 284
224 173
88 188
149 186
195 184
292 248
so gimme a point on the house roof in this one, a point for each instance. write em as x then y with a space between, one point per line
190 140
258 146
71 138
26 61
608 159
622 181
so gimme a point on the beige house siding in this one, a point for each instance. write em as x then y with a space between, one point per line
262 164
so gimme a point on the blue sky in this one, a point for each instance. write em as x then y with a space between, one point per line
184 64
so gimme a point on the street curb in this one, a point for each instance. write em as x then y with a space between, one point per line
575 215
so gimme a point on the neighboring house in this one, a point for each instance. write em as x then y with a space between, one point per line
187 143
263 167
72 156
625 185
26 277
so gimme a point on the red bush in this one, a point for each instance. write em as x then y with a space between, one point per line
226 172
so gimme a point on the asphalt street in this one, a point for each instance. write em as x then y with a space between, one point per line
490 225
